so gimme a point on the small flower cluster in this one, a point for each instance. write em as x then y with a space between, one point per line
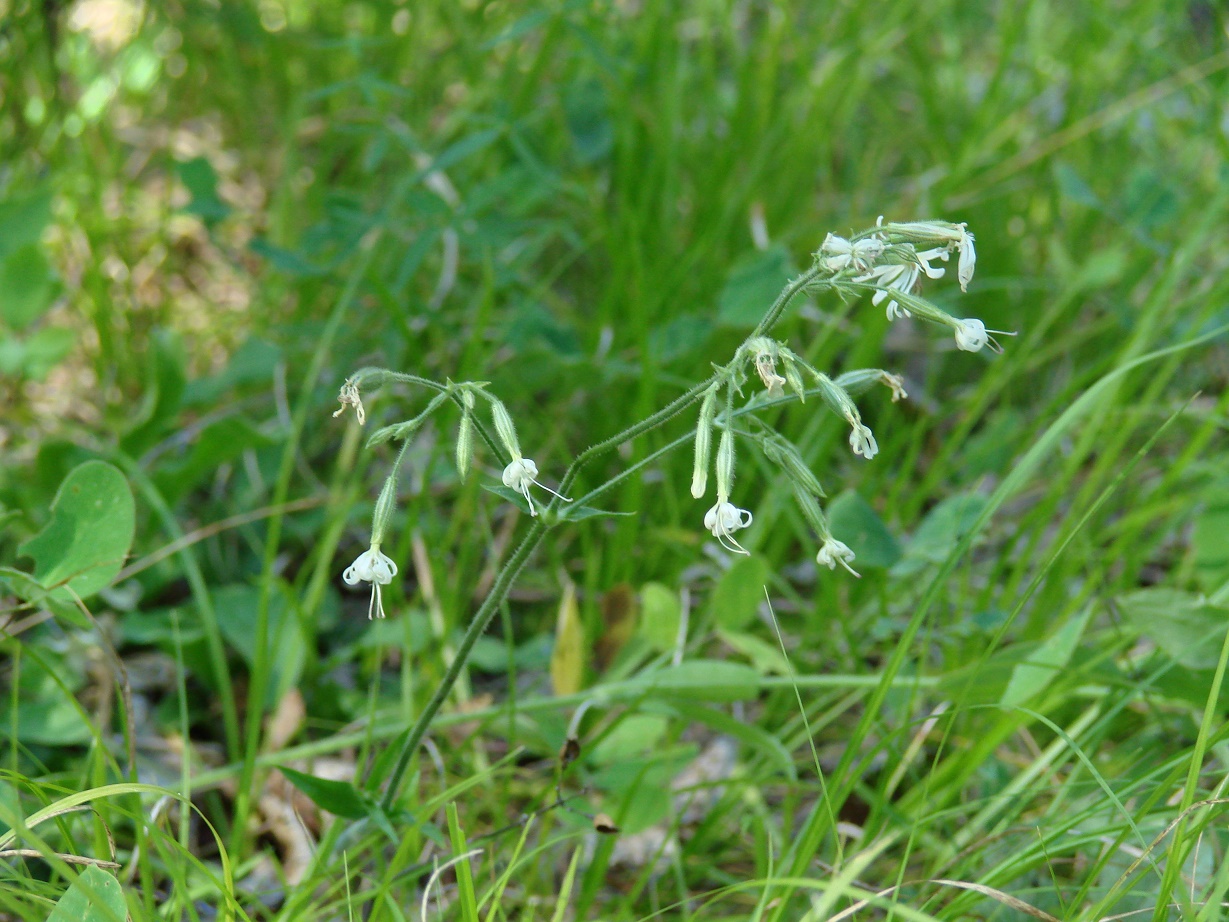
890 259
520 474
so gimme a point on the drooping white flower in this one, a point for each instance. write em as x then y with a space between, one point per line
968 259
862 440
833 552
376 568
971 335
723 520
520 475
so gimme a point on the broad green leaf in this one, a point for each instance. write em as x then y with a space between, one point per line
753 284
33 358
765 656
942 529
632 736
587 109
1182 624
660 614
1032 676
87 540
95 896
337 797
854 521
27 286
1209 542
52 721
703 680
23 219
739 592
199 178
567 660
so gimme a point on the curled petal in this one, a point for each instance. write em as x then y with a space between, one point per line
971 335
968 259
862 441
723 520
520 475
835 552
370 567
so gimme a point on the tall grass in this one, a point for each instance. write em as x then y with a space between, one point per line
1020 701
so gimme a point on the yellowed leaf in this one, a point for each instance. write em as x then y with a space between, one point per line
567 660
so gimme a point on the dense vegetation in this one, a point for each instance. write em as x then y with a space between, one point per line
212 214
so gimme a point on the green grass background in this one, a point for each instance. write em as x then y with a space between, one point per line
238 204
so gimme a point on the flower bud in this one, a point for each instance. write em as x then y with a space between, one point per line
465 445
504 428
725 465
704 441
386 504
792 376
796 469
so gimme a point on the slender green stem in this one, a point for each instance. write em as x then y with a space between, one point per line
490 605
787 294
511 570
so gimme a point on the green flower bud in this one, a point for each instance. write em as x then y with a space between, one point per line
386 505
704 441
504 428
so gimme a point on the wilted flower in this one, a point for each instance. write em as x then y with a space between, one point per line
897 385
375 568
520 475
723 520
766 368
833 552
350 397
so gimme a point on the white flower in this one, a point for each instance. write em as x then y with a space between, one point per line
520 475
840 253
723 520
926 256
375 568
862 440
833 552
968 259
971 335
898 276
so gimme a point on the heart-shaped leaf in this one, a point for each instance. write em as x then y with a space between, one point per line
87 540
95 896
